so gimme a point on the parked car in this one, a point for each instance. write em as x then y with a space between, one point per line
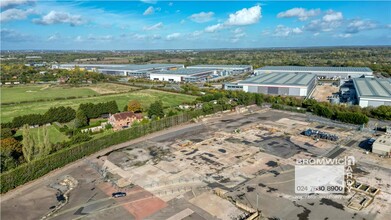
118 194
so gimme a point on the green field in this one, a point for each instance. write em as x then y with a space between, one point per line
48 92
55 135
146 97
32 93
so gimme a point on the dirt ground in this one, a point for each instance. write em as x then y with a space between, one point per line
321 92
172 174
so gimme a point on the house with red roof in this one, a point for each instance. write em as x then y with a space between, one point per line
124 120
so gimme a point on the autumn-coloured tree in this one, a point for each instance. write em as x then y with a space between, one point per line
10 153
10 146
134 106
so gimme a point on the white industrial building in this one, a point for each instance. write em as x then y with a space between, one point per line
225 70
287 84
382 145
183 75
372 91
321 72
141 70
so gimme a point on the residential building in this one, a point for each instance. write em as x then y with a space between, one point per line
124 120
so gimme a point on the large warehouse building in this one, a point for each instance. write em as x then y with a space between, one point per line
183 75
125 70
324 72
372 91
287 84
225 70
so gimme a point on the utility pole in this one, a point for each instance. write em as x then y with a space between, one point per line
257 201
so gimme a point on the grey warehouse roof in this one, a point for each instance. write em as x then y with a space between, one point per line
221 66
316 69
184 71
296 79
372 87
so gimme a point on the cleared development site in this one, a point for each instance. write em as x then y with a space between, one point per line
227 166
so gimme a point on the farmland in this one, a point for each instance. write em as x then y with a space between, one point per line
146 97
51 92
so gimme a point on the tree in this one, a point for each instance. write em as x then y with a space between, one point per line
46 145
171 113
207 108
6 133
382 112
10 147
134 106
28 144
156 109
61 114
81 119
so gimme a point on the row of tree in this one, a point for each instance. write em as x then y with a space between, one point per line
348 114
60 114
92 110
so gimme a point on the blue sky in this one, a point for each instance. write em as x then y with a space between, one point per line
150 24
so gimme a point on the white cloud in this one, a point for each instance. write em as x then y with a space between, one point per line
332 16
283 31
197 33
238 33
156 37
79 39
5 4
202 17
265 32
13 36
245 16
153 27
343 35
15 14
330 21
55 17
149 1
301 13
100 38
150 10
170 4
139 36
54 37
316 34
214 28
173 36
358 25
182 21
237 30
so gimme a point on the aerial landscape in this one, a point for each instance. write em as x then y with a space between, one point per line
195 110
